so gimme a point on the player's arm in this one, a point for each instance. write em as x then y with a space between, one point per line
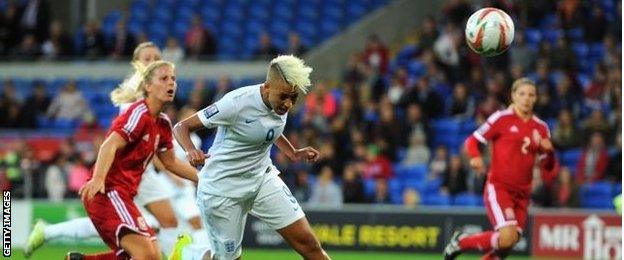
309 153
177 166
487 131
182 133
105 158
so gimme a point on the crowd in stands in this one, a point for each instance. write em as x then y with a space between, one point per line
391 130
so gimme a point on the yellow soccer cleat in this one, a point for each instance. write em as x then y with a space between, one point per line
36 238
183 240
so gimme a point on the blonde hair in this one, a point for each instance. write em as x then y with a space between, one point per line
134 87
292 70
127 91
522 81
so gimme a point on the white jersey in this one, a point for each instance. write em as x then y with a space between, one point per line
239 156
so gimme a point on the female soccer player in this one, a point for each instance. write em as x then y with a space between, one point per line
152 194
136 135
518 139
239 178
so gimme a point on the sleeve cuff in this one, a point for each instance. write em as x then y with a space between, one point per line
480 138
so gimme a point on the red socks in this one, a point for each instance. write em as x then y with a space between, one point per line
484 241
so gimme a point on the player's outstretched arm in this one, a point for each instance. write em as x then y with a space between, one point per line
105 158
177 166
182 133
308 153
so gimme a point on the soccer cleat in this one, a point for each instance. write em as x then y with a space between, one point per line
74 256
452 249
36 238
183 240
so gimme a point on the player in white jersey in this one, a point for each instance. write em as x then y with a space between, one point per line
239 177
152 194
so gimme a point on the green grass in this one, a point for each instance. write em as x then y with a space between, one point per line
57 252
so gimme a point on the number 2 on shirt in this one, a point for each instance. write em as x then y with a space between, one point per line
525 144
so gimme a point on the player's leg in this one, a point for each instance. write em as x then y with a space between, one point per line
276 206
156 200
500 208
224 219
76 229
139 246
508 236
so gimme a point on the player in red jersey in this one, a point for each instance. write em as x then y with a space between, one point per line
136 135
518 139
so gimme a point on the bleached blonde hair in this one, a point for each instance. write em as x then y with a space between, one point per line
135 89
292 70
128 90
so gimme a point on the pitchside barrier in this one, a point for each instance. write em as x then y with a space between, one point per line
578 233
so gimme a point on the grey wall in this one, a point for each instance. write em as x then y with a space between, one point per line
392 23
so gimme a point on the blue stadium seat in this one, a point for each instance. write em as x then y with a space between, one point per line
597 195
570 158
433 186
533 36
210 13
466 199
446 125
417 171
416 68
575 34
552 35
369 188
416 184
163 15
436 199
581 50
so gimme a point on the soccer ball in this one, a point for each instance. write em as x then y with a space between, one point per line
489 31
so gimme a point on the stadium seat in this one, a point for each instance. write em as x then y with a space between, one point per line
597 195
466 199
570 158
436 199
581 50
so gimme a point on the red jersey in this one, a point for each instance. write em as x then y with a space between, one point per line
145 135
515 147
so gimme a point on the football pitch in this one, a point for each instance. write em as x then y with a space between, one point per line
58 252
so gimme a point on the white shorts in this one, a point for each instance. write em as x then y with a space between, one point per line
151 189
225 217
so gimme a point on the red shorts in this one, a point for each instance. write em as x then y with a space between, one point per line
505 207
111 213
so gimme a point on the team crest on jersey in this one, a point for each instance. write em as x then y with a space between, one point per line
229 246
211 111
142 223
146 137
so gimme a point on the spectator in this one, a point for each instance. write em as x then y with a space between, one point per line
389 130
9 106
56 178
417 125
593 161
454 180
614 168
460 105
94 41
78 175
352 186
295 47
376 54
428 34
327 157
199 40
381 196
565 192
563 57
544 107
354 71
521 53
59 45
35 19
488 106
321 101
9 29
123 43
596 89
596 122
28 49
35 106
411 198
417 152
565 97
377 165
326 192
565 134
266 50
302 188
398 86
172 51
446 49
457 11
423 95
68 104
596 26
439 163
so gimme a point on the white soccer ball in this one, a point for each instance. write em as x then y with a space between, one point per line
489 31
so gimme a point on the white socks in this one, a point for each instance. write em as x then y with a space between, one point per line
78 228
167 238
195 252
